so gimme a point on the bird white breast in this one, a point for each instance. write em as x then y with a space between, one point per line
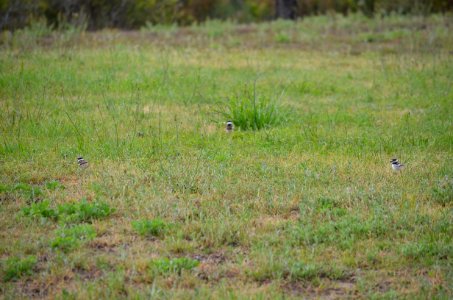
397 167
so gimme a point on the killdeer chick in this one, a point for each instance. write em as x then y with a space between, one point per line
396 165
229 126
82 162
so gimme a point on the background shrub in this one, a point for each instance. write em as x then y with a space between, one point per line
136 13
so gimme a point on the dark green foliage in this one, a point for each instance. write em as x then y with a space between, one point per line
176 265
4 188
53 185
149 227
136 13
76 212
40 210
69 238
15 267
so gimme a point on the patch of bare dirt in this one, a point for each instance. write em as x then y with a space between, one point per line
383 286
339 289
213 258
211 267
34 288
104 245
87 274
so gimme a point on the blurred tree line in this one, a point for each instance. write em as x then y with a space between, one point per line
128 14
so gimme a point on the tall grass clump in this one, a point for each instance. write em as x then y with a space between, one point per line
252 112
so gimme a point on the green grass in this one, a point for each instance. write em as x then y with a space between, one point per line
298 202
15 267
71 212
251 112
40 210
149 227
176 265
69 238
84 211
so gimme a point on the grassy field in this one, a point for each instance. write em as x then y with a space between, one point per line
172 206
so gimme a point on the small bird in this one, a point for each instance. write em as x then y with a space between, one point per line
229 126
82 162
396 165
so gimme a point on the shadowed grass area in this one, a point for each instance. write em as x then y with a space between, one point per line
304 207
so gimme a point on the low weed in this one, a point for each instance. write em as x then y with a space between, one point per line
53 185
15 267
149 227
70 238
176 265
84 211
40 210
77 212
31 192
